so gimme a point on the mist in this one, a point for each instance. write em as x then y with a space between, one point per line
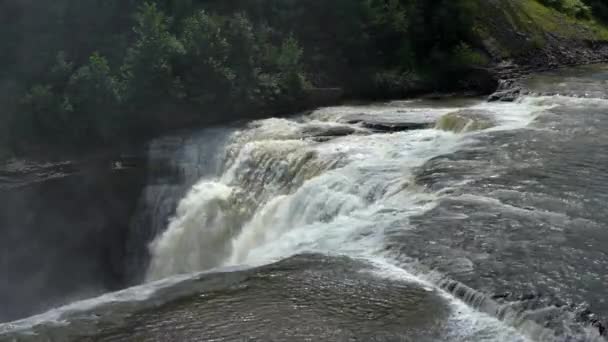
64 234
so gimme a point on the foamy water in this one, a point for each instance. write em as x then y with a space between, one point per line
282 191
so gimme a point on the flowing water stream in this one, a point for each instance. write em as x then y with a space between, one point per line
487 222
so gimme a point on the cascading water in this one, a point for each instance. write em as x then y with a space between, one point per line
414 220
276 182
283 191
178 163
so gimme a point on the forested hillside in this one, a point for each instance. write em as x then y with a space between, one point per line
88 73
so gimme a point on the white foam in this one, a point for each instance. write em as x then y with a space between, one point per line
280 195
196 236
514 115
464 323
338 197
60 316
293 196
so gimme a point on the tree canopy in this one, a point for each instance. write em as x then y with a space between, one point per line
91 72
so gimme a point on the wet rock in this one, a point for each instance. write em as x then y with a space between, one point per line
505 296
396 122
466 120
558 302
586 315
506 84
328 130
509 95
529 296
394 127
601 327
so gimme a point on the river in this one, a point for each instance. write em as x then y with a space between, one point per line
419 220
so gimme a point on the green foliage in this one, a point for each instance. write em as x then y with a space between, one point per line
206 75
388 32
84 111
464 55
43 115
394 82
391 14
61 71
148 67
438 27
94 97
229 61
283 77
243 57
289 64
103 71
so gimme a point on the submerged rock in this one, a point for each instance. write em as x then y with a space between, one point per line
467 120
508 95
396 122
328 131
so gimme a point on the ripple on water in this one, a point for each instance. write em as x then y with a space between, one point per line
303 298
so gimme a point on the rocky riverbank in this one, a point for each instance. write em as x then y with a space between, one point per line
522 37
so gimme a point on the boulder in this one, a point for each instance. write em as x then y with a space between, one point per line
508 95
389 122
467 120
328 130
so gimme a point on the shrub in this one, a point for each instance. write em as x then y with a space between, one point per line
42 116
204 68
224 57
94 96
289 62
464 56
148 67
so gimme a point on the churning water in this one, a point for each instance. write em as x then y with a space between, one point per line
282 191
486 223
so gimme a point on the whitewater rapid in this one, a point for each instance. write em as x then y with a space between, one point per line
449 220
282 192
322 183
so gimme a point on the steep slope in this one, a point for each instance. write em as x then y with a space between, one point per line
522 36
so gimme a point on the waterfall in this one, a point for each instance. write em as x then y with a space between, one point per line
176 164
260 165
489 215
306 184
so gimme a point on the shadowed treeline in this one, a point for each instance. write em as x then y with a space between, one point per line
93 72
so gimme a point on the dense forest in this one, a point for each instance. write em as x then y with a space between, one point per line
91 73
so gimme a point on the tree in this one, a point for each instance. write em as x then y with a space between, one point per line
94 96
289 62
437 27
243 57
148 67
41 116
204 69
